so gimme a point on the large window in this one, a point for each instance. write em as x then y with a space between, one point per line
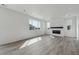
34 24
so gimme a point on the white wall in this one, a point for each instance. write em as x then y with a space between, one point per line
70 21
77 27
55 23
14 26
65 22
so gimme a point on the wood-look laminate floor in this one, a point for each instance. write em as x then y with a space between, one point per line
44 45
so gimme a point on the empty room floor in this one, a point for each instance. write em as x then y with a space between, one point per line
44 45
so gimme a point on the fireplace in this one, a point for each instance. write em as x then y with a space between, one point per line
56 31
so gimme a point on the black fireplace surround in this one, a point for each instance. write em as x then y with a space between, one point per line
56 31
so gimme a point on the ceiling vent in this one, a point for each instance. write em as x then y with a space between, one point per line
4 5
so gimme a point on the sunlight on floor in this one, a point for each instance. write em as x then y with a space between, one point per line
30 42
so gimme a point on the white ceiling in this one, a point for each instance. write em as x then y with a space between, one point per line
46 11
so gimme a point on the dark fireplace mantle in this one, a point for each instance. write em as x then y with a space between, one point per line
57 27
